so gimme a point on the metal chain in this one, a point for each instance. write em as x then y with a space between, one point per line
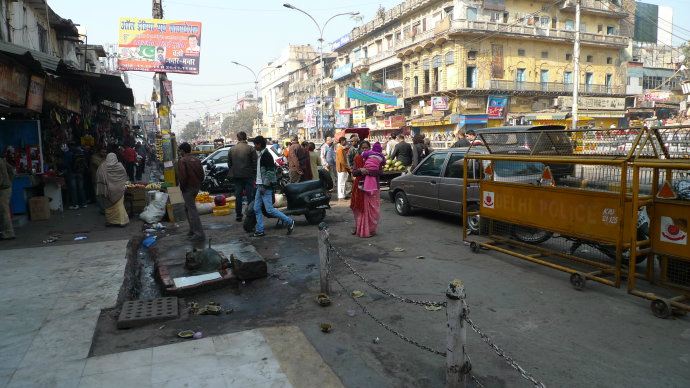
379 289
385 326
501 353
476 380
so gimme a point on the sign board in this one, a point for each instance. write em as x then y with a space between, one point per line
340 42
394 122
593 103
577 213
496 107
669 228
439 103
167 86
657 95
159 45
310 112
359 116
34 99
342 71
13 84
342 120
62 94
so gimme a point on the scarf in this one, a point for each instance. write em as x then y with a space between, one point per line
111 179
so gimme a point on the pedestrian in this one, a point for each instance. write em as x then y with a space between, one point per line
6 177
427 147
314 161
329 163
462 140
191 174
367 205
403 151
141 160
472 138
276 147
111 179
322 151
97 159
354 150
341 166
265 181
294 168
304 162
129 156
74 166
390 145
417 150
241 165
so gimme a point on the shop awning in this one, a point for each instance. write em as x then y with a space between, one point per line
603 114
371 96
430 121
106 87
33 59
547 116
462 120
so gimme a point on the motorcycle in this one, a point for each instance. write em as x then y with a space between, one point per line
310 199
216 179
537 236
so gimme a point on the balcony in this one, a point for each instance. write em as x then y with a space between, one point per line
554 87
596 7
482 27
390 15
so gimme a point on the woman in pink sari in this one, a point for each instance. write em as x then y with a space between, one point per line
367 216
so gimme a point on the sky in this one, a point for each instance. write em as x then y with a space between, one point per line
250 32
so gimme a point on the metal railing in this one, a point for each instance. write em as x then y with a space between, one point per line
553 87
594 5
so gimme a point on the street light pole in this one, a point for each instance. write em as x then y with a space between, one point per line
256 78
319 125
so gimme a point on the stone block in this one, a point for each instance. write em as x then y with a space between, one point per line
142 312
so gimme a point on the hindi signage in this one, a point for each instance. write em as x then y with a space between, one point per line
159 45
496 107
439 103
359 116
593 103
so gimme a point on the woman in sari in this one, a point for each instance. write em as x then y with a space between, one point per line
366 203
111 179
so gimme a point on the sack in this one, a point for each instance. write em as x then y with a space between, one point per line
682 189
155 210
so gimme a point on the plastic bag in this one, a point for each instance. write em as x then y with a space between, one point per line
155 210
204 208
682 189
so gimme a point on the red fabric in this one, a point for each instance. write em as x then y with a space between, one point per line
367 221
357 198
129 155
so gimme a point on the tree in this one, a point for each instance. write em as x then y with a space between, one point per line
242 120
192 131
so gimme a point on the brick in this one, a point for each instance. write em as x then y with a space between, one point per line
142 312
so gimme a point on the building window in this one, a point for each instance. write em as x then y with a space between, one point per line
521 52
609 60
449 12
436 61
589 81
590 58
471 80
42 38
544 54
398 36
471 14
554 23
544 22
425 64
610 30
472 55
520 79
649 82
450 58
416 85
423 24
496 17
600 28
427 81
568 77
568 57
570 24
544 80
608 81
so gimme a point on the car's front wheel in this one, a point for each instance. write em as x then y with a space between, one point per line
402 204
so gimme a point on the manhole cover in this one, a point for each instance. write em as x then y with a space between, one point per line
142 312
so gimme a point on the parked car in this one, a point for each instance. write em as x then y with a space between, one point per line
437 182
220 158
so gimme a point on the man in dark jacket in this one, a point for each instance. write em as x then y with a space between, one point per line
191 174
403 151
265 181
242 165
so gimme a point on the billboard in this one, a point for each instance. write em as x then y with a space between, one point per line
496 107
159 45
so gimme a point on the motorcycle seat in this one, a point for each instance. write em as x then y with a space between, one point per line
294 189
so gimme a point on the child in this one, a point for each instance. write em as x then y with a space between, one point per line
373 161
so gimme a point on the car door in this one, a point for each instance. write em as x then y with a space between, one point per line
450 185
424 181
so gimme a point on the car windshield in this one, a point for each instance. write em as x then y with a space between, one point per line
505 168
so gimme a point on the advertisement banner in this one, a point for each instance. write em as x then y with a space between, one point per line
34 100
167 86
497 70
342 71
439 103
342 120
159 45
359 116
496 107
345 111
13 84
394 122
310 113
340 42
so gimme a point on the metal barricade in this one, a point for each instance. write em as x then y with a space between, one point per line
666 249
561 199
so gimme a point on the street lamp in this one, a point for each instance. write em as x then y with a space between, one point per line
256 77
321 28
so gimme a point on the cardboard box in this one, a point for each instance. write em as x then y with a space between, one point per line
175 195
176 212
39 208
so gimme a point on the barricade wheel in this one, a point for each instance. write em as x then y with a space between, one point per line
578 281
661 308
474 247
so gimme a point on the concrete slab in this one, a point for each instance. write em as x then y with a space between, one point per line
143 312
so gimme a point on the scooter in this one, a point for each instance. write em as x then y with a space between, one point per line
216 179
310 199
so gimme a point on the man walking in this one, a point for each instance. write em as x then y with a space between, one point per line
6 176
341 166
328 161
265 181
191 174
242 164
295 152
403 151
129 155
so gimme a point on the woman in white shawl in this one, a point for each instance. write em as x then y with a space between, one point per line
111 179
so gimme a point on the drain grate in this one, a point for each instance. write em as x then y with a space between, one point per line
142 312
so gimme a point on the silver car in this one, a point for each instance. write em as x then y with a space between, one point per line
437 182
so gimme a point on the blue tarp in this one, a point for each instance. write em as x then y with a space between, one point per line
371 96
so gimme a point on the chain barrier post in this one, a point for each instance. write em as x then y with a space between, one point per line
324 261
457 366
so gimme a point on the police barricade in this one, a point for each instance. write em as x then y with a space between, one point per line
558 198
665 252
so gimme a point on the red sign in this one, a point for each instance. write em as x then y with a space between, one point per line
345 111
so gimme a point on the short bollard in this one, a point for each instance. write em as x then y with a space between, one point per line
457 369
323 258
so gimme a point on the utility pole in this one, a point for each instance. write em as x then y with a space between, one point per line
576 64
169 169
